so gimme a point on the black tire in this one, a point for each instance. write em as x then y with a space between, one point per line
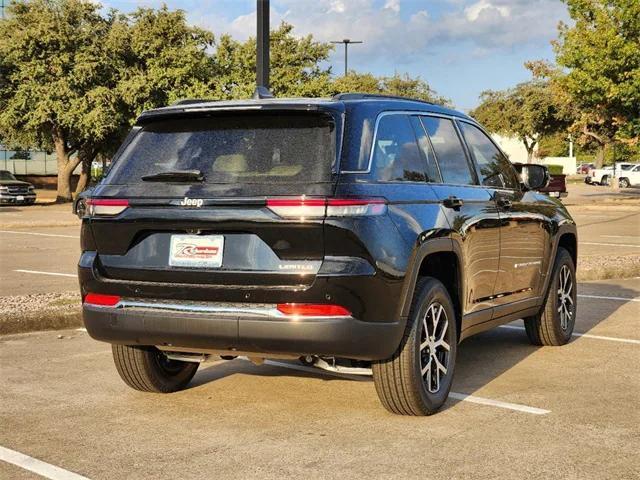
550 327
604 181
624 183
400 383
147 369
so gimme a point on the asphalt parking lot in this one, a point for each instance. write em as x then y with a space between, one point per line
517 411
567 412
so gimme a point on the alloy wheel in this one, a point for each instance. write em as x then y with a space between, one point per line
565 298
434 346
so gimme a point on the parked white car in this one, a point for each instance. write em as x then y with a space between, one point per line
629 178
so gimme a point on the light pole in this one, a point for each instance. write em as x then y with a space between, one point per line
262 44
346 43
2 8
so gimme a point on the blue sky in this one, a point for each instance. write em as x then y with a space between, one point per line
461 47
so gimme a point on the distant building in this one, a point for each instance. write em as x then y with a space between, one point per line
517 153
514 148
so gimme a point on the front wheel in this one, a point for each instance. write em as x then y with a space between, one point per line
554 324
624 183
416 380
605 181
149 370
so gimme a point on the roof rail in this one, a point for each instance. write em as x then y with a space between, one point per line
381 96
189 101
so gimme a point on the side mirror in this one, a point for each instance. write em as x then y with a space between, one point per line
533 176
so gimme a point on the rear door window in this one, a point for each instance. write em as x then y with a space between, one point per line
495 169
396 156
449 151
229 149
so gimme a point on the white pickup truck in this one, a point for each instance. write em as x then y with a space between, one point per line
629 178
599 176
604 175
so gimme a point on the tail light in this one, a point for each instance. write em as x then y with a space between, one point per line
101 300
303 207
106 206
312 310
298 207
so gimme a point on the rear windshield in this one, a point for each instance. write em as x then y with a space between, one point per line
249 148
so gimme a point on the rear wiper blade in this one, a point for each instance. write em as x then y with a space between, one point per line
176 175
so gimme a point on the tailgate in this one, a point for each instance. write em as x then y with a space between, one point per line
215 227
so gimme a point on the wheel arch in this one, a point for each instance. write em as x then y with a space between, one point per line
569 242
433 259
567 238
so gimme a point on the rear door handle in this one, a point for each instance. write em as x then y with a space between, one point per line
453 202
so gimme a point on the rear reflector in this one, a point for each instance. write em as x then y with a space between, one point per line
313 310
101 300
106 206
339 207
303 207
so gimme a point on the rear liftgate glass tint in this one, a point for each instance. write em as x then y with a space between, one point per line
249 148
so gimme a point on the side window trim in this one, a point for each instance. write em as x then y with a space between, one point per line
406 116
433 151
467 154
476 168
410 113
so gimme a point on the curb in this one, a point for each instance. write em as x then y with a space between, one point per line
36 322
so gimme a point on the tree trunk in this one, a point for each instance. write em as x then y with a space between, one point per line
530 155
530 146
66 165
86 156
64 177
602 145
600 155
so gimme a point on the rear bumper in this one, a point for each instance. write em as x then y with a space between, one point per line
256 328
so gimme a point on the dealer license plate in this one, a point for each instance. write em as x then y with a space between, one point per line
197 251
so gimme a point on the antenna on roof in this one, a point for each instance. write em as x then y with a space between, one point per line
262 50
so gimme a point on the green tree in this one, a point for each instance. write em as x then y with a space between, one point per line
599 60
57 89
526 112
296 66
74 80
400 85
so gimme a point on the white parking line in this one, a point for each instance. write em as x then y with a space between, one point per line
618 299
39 234
586 335
611 244
497 403
37 466
458 396
620 236
48 273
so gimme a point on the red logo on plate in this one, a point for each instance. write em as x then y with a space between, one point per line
189 250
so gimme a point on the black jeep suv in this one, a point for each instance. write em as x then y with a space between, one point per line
362 230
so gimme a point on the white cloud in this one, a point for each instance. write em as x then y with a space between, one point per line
393 5
487 26
472 12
